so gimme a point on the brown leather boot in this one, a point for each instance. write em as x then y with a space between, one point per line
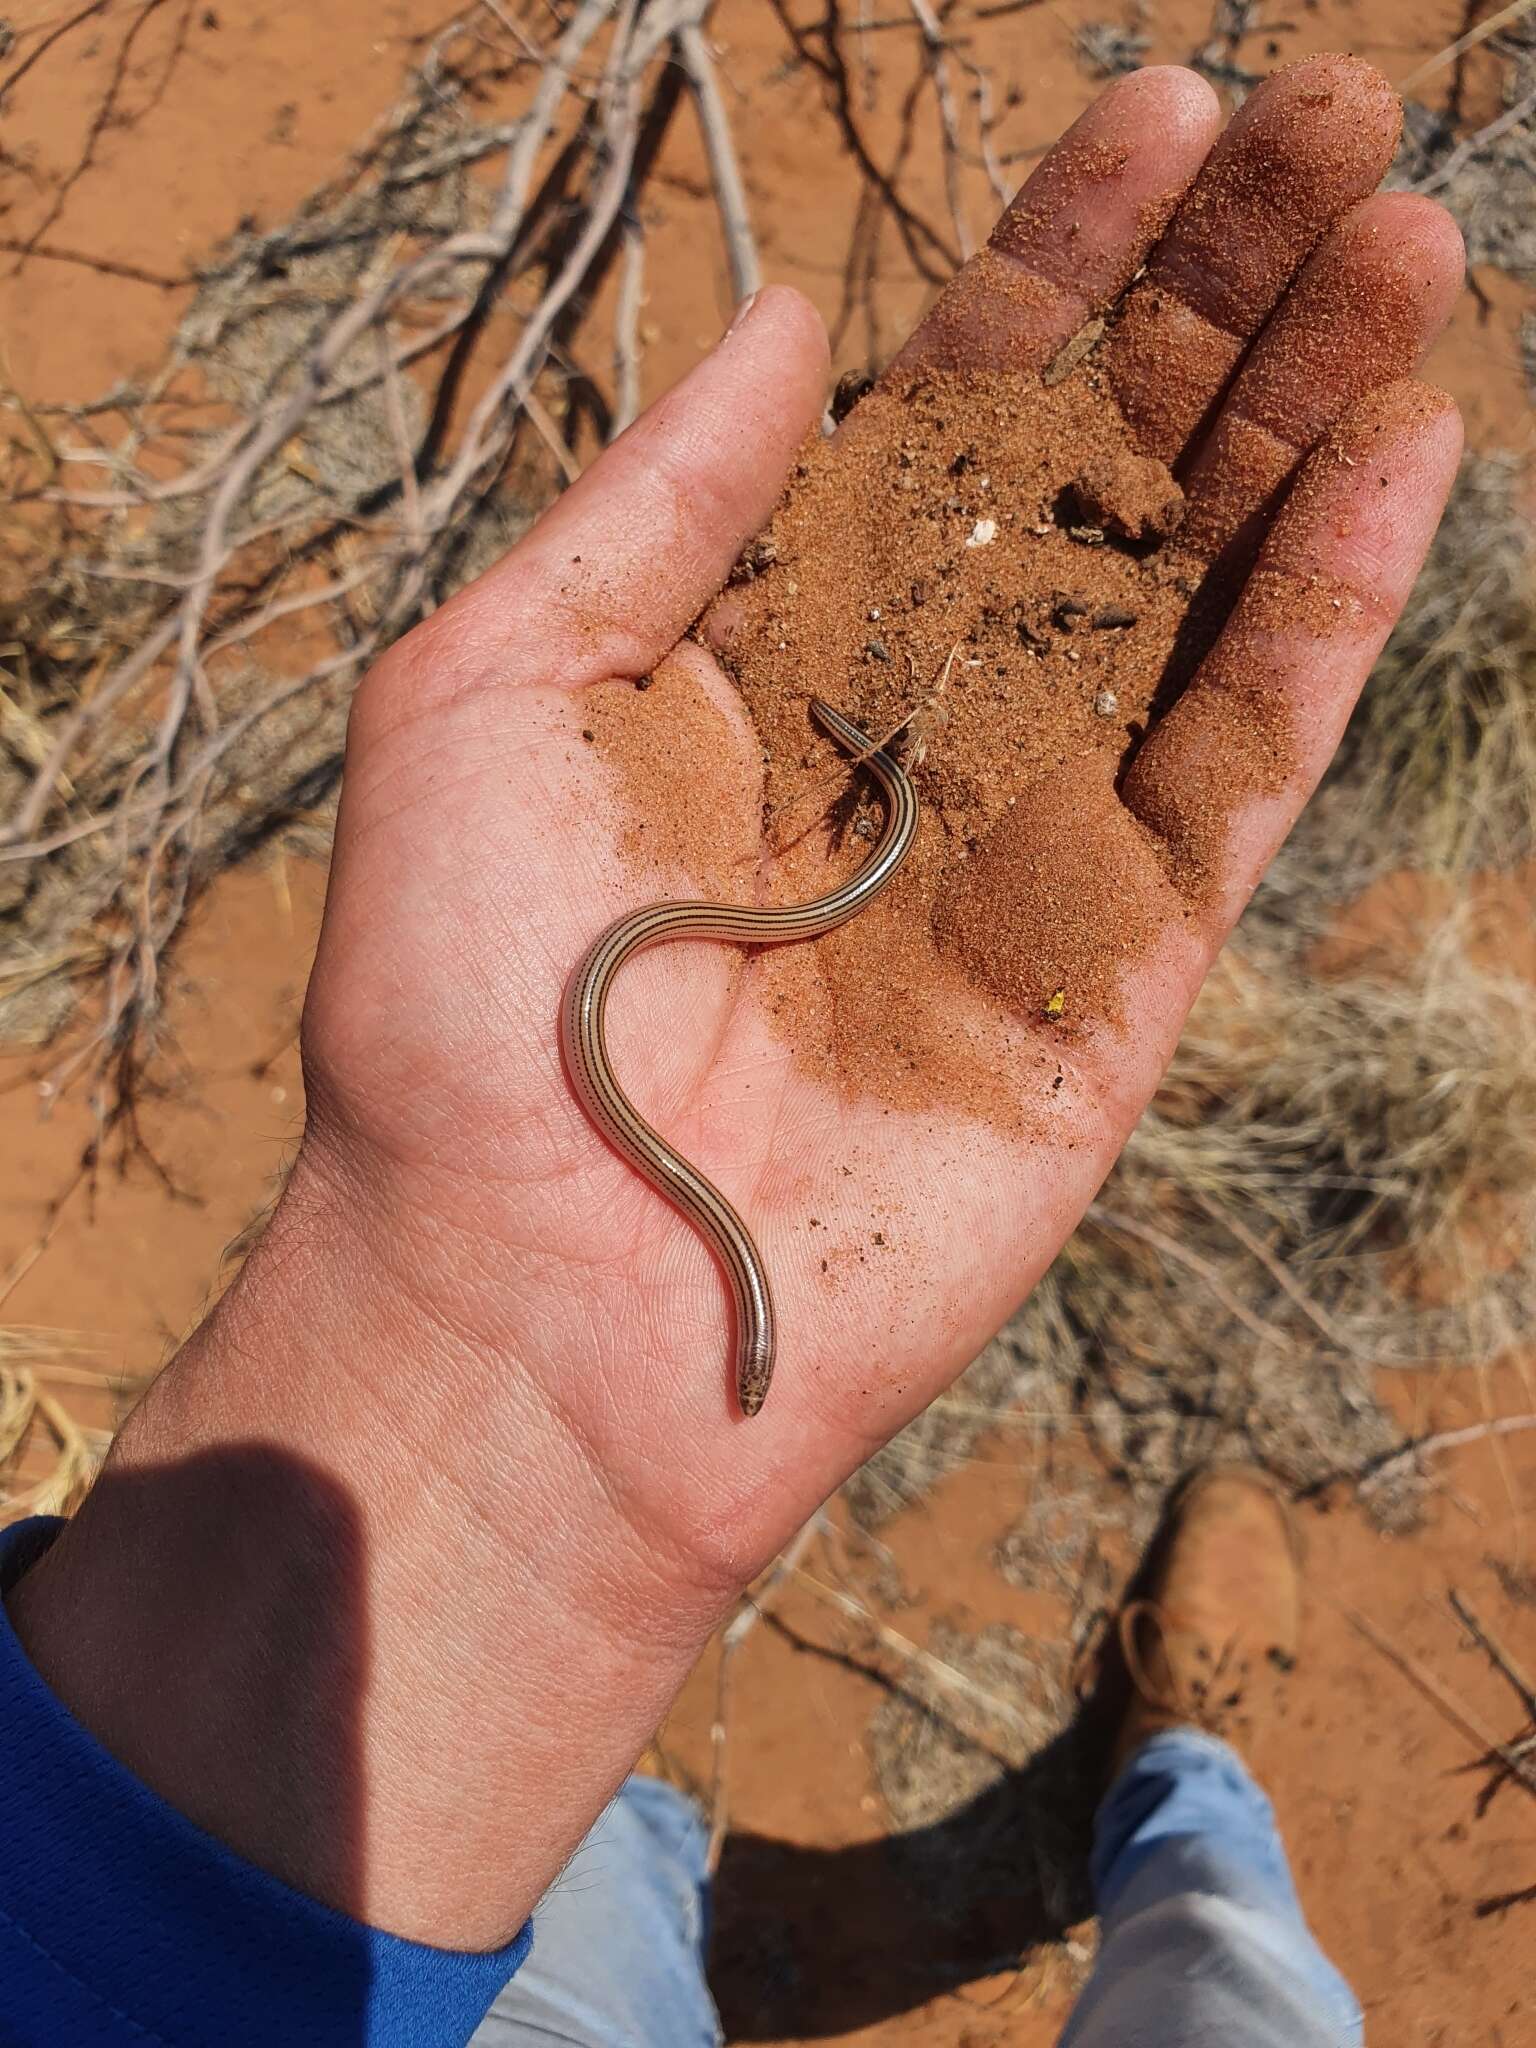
1212 1642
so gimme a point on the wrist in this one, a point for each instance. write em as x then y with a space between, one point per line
352 1594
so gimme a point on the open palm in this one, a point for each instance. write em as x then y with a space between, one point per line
483 840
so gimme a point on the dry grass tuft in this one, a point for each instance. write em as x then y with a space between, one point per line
1438 769
47 1459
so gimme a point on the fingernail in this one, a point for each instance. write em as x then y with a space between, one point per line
741 312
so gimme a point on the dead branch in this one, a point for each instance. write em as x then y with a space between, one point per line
936 50
1444 1440
730 193
106 266
216 557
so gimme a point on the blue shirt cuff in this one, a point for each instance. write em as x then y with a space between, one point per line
122 1922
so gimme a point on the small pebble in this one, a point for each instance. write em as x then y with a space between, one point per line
1106 704
877 650
982 534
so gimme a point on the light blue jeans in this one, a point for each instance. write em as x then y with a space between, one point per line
1204 1944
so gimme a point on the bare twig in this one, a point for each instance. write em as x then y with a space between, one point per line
749 1613
1129 1226
405 455
626 329
940 1671
730 192
514 29
949 121
986 123
1497 1655
1449 1706
1463 153
543 423
1480 34
1445 1440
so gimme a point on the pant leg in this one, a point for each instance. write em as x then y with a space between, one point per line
1203 1940
618 1941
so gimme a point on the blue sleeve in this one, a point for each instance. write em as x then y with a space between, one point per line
121 1922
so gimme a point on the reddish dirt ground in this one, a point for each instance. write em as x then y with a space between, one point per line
1396 1864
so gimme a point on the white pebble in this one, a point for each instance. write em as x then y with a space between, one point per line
1106 704
982 534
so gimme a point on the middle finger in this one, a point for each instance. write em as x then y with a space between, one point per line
1310 142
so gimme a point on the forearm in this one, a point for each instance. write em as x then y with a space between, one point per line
348 1631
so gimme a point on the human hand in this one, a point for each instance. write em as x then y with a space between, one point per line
538 1343
483 843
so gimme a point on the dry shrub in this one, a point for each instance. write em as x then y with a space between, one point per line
360 409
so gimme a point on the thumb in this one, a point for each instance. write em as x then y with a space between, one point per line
619 566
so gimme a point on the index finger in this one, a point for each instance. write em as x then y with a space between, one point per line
1077 231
